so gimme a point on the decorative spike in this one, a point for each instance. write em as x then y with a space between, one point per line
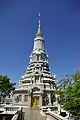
39 33
39 19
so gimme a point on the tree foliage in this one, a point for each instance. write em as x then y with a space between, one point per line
5 86
69 92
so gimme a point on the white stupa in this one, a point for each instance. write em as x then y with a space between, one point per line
37 84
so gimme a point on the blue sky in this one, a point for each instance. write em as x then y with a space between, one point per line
60 21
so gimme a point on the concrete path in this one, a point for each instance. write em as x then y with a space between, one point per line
33 114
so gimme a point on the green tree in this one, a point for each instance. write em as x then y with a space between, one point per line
72 98
53 98
5 86
69 93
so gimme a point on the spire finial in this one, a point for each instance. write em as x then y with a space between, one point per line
39 18
39 33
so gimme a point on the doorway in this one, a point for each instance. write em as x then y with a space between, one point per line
35 101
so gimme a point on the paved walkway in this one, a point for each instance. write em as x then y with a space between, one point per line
33 114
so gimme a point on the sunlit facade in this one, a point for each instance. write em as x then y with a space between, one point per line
38 83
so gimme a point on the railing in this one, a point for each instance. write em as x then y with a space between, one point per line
52 113
53 116
19 115
12 108
12 113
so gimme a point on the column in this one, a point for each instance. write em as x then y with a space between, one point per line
29 100
22 101
39 79
40 101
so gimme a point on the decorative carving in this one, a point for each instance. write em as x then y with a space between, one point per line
36 89
17 99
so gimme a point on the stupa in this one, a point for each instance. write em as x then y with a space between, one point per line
38 83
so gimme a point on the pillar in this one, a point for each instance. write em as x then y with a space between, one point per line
29 100
40 101
22 98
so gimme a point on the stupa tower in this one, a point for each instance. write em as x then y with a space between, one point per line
38 83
